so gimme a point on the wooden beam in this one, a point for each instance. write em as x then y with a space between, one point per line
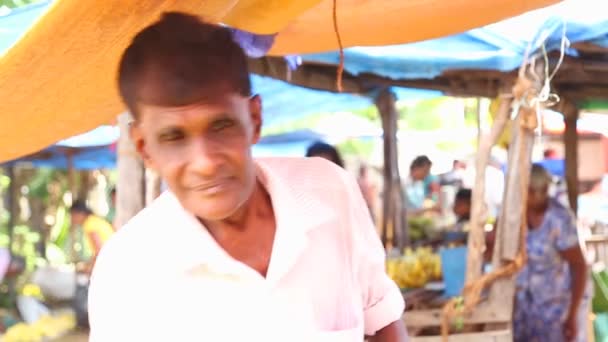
130 188
504 335
309 76
581 78
484 313
507 241
571 114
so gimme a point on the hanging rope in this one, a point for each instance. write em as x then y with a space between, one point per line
472 291
340 46
529 104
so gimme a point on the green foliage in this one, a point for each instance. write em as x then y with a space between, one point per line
369 113
293 125
429 115
38 186
61 229
358 147
16 3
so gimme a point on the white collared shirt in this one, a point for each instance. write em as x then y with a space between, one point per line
162 277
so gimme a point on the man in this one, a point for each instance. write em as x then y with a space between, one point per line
454 177
417 189
237 250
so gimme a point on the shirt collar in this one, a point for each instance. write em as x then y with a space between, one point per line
298 210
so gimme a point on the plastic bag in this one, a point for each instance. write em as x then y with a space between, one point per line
57 283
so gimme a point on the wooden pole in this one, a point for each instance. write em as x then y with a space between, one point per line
476 241
571 115
153 182
130 187
13 206
393 213
478 121
73 193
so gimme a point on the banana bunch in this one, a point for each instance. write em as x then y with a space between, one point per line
415 268
47 327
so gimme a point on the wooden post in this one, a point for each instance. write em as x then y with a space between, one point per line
393 213
130 187
13 206
478 121
476 241
73 193
153 182
571 114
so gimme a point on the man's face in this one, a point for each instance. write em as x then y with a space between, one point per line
538 197
462 208
203 151
77 218
418 173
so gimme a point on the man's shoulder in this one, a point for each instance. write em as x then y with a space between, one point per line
141 234
305 170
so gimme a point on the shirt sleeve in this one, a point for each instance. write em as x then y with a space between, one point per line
567 233
383 302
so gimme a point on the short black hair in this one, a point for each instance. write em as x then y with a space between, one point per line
420 161
181 60
320 148
464 195
80 206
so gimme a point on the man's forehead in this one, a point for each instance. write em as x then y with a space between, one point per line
198 114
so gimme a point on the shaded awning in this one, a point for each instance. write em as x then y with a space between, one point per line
59 79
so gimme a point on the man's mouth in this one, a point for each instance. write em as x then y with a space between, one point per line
212 188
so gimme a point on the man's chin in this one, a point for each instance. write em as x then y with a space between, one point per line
216 211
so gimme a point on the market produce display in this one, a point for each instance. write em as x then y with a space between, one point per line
415 268
48 327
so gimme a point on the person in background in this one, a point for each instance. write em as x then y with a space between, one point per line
462 207
455 176
326 151
430 181
552 295
96 230
367 189
417 186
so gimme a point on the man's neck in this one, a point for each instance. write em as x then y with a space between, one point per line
258 205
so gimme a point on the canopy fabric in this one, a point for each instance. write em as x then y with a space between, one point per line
500 46
87 151
282 101
59 79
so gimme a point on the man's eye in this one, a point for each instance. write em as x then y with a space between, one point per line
222 124
171 136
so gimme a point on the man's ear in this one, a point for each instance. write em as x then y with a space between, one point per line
255 109
138 140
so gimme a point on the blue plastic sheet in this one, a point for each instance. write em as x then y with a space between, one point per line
499 46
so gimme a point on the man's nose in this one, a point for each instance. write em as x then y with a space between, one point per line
205 157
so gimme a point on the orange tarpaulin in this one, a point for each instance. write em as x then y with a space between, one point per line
59 79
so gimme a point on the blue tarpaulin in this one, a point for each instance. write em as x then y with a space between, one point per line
291 144
499 46
91 150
